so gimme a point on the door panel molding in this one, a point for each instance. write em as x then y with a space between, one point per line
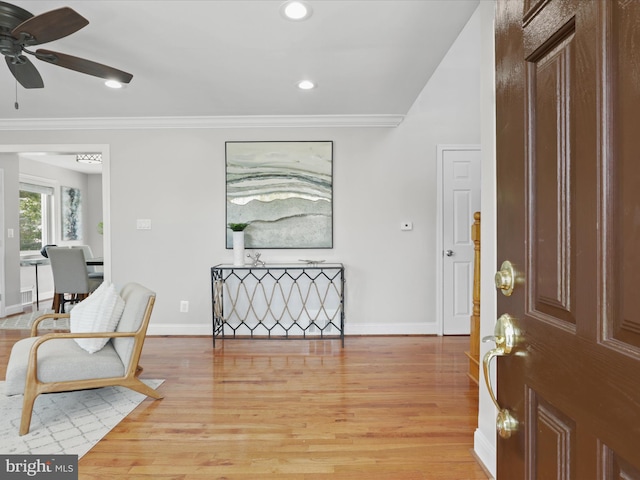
550 149
548 426
619 240
615 467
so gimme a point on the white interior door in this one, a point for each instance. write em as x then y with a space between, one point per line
460 167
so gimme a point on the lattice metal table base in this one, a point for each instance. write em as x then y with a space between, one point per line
292 301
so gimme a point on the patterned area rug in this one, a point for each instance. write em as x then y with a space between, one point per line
24 322
68 423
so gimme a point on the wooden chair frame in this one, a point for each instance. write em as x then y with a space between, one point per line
34 387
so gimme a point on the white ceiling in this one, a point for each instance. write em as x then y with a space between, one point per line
209 58
238 58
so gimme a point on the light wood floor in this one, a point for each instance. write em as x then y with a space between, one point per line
382 408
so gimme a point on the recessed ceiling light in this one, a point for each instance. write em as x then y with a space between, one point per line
306 85
296 10
113 84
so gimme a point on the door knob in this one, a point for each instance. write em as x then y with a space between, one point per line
448 253
505 278
507 336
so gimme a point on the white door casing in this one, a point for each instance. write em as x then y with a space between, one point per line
458 199
2 248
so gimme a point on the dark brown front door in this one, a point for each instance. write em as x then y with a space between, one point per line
568 148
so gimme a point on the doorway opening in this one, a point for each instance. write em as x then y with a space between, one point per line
10 267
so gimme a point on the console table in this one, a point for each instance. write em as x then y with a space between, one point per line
285 301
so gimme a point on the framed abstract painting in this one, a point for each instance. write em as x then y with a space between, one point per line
71 214
283 190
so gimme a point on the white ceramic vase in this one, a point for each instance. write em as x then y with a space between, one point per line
238 249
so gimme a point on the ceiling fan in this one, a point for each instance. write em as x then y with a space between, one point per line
20 30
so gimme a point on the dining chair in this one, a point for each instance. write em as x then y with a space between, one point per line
70 276
92 270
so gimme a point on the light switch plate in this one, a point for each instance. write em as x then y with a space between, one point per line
406 226
143 224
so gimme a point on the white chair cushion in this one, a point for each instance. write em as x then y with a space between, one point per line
100 312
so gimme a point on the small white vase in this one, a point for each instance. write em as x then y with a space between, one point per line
238 249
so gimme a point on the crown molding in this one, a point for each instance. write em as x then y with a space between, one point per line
252 121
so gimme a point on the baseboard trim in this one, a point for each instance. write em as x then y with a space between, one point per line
391 329
179 329
362 329
13 309
485 452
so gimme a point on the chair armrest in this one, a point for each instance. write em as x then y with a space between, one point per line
37 321
33 353
54 335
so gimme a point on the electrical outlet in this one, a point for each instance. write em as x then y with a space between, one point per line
184 306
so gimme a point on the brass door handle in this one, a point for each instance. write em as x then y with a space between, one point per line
506 336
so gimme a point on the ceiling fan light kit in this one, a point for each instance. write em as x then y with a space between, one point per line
20 30
113 84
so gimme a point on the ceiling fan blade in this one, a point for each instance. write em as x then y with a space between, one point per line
26 73
50 26
83 66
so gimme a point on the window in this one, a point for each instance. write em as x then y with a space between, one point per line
36 217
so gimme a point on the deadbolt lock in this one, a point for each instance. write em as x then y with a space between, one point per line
506 278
